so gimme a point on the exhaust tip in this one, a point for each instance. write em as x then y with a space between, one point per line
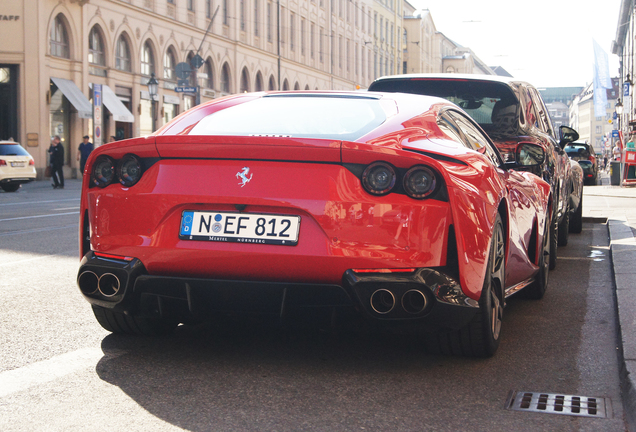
382 301
414 301
88 282
108 284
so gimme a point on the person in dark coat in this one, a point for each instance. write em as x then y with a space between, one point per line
83 151
57 162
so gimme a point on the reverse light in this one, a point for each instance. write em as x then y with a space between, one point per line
103 171
129 170
378 178
419 182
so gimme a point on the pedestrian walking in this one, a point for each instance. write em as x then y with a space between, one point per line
56 150
83 151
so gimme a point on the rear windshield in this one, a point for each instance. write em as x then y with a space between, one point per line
12 150
302 116
577 150
491 104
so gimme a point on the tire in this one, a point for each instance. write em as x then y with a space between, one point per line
537 289
116 322
564 228
480 337
10 187
554 242
576 223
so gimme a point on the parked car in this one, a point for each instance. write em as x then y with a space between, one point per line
510 112
16 166
583 153
243 204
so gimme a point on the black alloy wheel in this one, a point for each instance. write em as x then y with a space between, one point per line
554 240
537 289
564 228
576 222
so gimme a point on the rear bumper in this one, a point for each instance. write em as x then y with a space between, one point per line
19 180
427 297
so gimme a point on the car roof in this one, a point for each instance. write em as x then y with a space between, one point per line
453 76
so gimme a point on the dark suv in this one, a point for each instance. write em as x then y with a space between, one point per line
510 112
583 153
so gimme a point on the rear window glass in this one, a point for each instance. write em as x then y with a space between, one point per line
301 116
12 150
579 150
491 104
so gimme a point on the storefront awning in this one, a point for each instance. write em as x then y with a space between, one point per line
74 96
115 106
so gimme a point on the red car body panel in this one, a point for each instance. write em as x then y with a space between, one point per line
309 178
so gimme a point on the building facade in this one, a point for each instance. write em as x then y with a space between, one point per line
55 51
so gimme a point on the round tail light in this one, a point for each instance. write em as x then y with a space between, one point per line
378 178
103 171
129 170
419 182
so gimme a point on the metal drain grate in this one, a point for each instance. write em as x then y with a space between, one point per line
552 403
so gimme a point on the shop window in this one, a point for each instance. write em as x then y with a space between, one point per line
59 38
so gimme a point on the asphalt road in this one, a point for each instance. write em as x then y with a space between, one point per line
59 370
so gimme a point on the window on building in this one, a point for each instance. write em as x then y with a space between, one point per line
292 30
226 13
405 45
258 83
208 8
302 36
122 54
169 62
404 68
270 22
225 79
321 45
391 37
147 59
245 81
96 47
242 14
190 5
59 38
209 71
257 18
272 83
311 39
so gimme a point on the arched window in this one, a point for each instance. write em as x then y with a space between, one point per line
245 81
307 87
450 69
272 83
59 38
147 59
169 62
96 47
122 54
208 70
296 86
285 84
258 83
225 79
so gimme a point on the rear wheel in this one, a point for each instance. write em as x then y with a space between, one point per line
537 289
480 337
554 242
117 322
564 228
576 223
10 187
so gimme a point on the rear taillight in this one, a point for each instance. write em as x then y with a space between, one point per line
379 178
103 171
419 182
31 162
129 170
3 162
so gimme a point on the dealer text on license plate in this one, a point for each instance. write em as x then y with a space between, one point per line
240 227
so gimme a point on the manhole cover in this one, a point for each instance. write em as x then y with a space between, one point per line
555 403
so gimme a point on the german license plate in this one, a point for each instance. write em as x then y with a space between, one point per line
240 227
18 164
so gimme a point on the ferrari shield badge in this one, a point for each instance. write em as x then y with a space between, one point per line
243 176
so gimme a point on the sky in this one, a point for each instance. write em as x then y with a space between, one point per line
545 42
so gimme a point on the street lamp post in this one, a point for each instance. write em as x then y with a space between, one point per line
153 86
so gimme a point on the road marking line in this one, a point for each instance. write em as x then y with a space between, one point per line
48 370
66 208
36 258
38 216
38 202
35 230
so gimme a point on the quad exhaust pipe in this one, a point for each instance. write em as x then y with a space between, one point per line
107 284
413 301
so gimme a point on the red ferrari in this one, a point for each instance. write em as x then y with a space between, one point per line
396 205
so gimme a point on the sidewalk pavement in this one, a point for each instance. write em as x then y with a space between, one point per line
618 205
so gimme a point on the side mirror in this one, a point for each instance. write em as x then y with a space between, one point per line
529 155
567 135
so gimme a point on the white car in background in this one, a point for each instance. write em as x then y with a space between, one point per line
16 166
